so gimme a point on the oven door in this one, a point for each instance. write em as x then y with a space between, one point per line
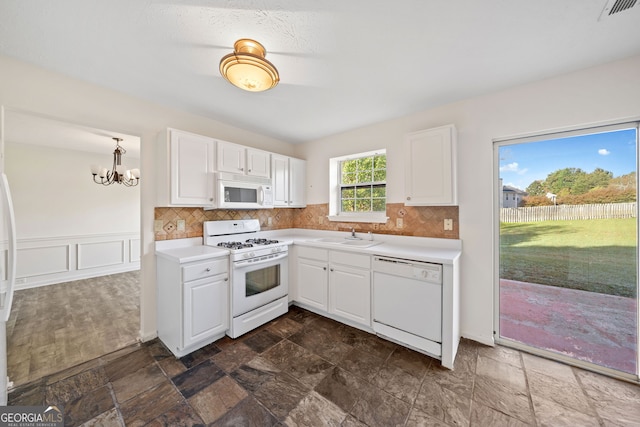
258 282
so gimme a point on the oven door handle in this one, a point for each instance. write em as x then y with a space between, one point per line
269 259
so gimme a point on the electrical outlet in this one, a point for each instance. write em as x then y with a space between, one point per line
376 226
448 224
157 225
399 222
180 225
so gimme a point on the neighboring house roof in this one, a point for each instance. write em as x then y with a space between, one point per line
510 189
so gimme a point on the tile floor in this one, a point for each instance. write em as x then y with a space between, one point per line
55 327
306 370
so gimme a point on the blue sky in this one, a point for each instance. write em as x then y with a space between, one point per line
521 164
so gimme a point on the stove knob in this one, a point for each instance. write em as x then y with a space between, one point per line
245 255
252 254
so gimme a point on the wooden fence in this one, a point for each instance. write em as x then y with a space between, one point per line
568 212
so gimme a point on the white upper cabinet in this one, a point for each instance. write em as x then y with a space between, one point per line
430 167
243 160
258 163
185 174
297 183
289 175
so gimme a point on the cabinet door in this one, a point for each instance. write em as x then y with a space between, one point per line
297 183
192 161
205 308
230 157
312 283
430 173
258 163
350 293
280 181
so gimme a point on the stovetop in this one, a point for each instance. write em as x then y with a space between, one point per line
235 236
249 243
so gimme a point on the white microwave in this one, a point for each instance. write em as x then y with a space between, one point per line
243 192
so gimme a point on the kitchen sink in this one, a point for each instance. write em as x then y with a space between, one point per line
360 243
329 240
346 242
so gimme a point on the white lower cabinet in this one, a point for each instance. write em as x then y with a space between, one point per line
350 293
335 282
312 283
200 320
193 302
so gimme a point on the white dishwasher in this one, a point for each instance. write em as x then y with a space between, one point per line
407 303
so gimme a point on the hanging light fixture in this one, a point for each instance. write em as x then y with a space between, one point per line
246 67
117 174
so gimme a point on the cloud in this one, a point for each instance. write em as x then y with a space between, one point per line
604 152
513 167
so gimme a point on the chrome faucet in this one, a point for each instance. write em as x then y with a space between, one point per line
353 233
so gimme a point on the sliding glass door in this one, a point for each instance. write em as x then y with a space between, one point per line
567 268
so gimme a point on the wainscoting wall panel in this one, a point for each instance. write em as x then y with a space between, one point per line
100 254
43 260
46 261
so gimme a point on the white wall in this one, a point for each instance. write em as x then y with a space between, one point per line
592 96
54 194
29 88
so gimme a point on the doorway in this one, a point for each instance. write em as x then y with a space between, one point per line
567 242
78 283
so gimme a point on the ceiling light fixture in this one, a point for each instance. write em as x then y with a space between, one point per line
117 174
246 67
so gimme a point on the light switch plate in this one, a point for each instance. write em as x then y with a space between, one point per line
399 222
448 224
180 225
157 225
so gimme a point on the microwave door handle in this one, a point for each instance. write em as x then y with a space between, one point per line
261 195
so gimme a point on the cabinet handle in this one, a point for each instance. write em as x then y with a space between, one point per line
331 269
248 170
241 169
324 268
408 198
226 279
208 269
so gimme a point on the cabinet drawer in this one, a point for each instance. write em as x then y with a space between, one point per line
198 270
313 253
351 259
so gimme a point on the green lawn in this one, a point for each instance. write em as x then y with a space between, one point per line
593 255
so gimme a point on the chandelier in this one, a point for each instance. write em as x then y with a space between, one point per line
246 67
117 174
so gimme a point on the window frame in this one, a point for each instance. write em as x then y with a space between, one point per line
335 186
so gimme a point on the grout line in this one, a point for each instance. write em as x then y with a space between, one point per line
526 379
586 395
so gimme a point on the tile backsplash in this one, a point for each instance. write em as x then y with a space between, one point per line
423 221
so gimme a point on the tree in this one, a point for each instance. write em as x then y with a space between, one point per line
536 188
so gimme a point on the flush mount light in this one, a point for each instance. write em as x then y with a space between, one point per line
246 67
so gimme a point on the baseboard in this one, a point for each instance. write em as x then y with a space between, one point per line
478 338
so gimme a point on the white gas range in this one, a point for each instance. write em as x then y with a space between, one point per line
259 270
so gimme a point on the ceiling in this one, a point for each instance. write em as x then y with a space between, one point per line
343 64
28 128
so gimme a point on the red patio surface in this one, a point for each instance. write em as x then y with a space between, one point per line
584 325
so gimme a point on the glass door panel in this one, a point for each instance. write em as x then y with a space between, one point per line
568 258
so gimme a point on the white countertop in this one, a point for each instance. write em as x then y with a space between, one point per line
183 254
441 251
426 249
